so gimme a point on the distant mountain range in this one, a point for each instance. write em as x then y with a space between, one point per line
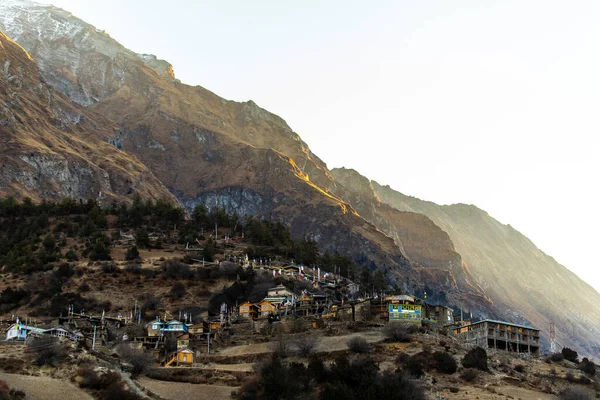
82 116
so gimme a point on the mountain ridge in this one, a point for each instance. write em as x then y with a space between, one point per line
236 155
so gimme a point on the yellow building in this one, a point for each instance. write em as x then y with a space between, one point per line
266 308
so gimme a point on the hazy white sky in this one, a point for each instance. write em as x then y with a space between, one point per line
493 103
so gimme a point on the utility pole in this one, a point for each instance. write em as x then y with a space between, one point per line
208 342
94 339
552 338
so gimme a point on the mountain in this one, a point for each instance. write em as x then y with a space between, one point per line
523 281
52 148
205 149
125 115
419 238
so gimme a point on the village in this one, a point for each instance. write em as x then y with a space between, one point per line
213 306
176 340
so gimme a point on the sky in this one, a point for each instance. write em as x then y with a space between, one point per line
491 103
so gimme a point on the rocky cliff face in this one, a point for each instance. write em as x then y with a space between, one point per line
52 148
521 279
419 238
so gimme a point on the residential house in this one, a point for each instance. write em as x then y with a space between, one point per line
181 357
500 335
245 310
183 341
17 331
59 331
280 291
266 308
159 328
196 329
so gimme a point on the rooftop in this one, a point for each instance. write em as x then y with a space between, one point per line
504 323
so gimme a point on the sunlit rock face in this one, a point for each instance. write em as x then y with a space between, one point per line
52 148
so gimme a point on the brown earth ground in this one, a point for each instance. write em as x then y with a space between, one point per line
44 388
188 391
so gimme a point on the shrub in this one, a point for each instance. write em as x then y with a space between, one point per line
47 350
520 368
399 331
71 255
588 367
574 394
476 358
557 357
570 355
177 291
140 361
175 269
306 344
281 347
402 358
135 269
91 379
469 374
415 365
358 345
132 253
444 362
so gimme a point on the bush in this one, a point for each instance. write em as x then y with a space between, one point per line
574 394
520 368
71 255
177 291
399 331
6 393
588 367
557 357
132 253
47 350
469 374
358 345
570 355
415 365
306 344
476 358
175 269
281 347
444 362
140 361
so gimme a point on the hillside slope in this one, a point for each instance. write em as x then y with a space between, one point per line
204 149
520 278
52 148
420 239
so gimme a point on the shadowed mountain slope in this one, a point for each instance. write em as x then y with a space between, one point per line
520 278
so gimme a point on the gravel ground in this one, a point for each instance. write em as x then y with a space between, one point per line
43 388
187 391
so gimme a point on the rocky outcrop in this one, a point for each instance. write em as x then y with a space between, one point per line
52 148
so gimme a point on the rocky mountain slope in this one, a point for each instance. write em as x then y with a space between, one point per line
52 148
205 149
419 238
521 279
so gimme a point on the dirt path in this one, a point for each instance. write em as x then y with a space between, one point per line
44 388
188 391
326 344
